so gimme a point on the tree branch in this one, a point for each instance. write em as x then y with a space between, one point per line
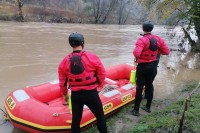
192 42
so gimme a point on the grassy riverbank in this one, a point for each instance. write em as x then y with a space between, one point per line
165 115
168 119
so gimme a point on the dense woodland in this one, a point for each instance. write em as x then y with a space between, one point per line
185 13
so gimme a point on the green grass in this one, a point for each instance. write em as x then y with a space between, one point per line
167 119
190 85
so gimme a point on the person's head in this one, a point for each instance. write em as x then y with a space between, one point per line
147 26
76 40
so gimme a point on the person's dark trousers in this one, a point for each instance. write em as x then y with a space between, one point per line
156 65
144 77
154 75
92 100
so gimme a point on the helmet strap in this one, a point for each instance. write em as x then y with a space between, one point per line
82 44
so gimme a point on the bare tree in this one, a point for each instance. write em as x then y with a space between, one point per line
97 9
42 11
102 9
20 4
124 9
109 9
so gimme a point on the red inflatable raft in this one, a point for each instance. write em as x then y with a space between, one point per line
40 108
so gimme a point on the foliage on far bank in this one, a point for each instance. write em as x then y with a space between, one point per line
74 11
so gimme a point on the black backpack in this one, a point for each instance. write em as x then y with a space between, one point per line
76 65
153 44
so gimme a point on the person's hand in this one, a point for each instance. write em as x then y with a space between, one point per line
66 97
135 61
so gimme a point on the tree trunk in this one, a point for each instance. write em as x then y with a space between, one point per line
20 13
127 16
112 5
197 24
187 35
121 10
96 10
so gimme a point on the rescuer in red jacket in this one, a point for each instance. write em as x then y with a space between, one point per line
147 50
82 72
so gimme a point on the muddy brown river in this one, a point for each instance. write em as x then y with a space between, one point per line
30 54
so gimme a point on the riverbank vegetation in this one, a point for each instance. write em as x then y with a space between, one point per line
168 119
165 117
73 11
185 13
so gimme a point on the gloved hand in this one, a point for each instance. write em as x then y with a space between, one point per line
135 62
66 97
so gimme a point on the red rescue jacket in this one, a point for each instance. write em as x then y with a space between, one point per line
92 76
142 52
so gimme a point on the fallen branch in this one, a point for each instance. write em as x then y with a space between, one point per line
187 100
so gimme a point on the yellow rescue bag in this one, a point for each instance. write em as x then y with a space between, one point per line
133 77
70 103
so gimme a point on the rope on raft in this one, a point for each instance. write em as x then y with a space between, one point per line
5 116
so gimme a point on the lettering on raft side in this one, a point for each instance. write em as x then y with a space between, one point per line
107 107
126 98
11 103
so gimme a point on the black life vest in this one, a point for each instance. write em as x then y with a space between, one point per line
79 74
151 53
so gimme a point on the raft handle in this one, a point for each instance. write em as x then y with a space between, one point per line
57 114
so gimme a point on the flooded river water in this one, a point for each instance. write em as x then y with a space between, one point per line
30 54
